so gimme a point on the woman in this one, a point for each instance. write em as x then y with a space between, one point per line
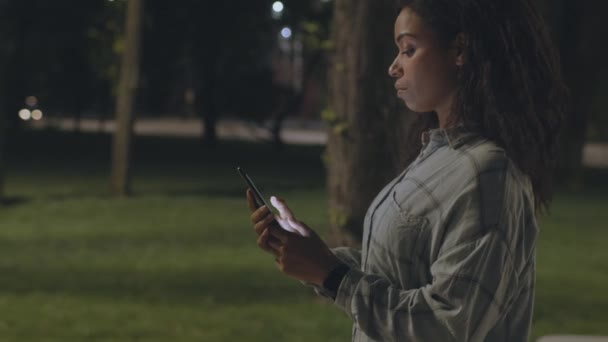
448 250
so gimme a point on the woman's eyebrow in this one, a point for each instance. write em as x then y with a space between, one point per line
403 34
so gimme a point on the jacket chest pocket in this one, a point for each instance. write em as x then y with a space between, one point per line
399 243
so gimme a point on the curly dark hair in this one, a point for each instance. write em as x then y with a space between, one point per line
510 87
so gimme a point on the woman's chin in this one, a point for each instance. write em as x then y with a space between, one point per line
409 105
412 107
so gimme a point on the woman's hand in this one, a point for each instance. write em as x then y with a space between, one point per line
306 258
299 252
262 219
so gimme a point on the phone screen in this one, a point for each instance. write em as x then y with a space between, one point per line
259 199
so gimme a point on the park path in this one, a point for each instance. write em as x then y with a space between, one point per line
302 132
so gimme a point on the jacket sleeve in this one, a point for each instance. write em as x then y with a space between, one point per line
349 256
473 282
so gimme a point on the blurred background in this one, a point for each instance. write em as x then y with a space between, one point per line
122 121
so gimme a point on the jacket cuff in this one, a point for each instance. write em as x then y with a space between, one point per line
347 288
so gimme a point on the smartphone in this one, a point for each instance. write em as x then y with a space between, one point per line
259 199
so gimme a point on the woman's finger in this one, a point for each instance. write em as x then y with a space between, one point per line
282 207
298 227
285 225
259 214
260 226
250 200
274 244
279 233
263 243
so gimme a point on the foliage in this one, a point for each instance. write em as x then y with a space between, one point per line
107 43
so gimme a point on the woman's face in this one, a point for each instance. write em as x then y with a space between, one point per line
425 71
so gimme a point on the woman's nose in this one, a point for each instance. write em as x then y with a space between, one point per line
393 69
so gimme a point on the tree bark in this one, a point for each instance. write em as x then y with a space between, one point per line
367 137
14 30
210 117
129 75
576 25
2 162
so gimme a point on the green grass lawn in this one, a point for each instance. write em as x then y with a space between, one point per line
178 261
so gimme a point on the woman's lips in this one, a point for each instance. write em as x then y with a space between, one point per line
401 92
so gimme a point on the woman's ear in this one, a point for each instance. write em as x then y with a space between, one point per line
460 44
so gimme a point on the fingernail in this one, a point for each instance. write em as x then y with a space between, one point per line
275 201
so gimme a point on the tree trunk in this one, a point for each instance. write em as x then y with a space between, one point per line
367 134
210 117
577 26
291 100
129 74
207 102
14 30
2 162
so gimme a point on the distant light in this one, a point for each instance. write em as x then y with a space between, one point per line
36 114
278 7
31 101
25 114
286 32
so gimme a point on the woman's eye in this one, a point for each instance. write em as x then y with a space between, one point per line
409 52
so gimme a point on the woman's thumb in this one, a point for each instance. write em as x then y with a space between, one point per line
283 209
301 228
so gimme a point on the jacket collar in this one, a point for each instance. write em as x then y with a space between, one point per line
454 136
